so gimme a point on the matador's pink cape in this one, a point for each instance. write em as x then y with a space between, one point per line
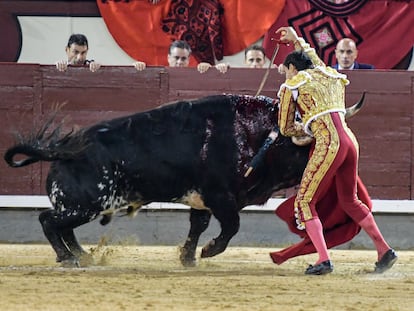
338 227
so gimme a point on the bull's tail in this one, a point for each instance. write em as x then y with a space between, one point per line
46 147
32 154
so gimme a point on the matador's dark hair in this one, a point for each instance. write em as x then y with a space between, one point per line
299 59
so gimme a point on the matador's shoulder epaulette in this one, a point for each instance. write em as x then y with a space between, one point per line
295 82
333 73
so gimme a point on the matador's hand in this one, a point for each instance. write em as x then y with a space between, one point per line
287 34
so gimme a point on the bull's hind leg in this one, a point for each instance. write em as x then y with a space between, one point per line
69 238
49 221
58 229
199 220
230 222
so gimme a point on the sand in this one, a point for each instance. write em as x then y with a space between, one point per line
126 277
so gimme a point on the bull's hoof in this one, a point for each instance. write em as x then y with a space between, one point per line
205 252
186 262
86 259
211 249
186 259
70 263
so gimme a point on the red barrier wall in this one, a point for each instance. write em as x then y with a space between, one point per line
28 92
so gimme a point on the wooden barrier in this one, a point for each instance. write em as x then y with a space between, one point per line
28 92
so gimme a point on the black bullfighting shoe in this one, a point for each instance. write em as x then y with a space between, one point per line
386 262
324 267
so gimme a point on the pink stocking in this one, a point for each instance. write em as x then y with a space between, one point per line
370 227
315 231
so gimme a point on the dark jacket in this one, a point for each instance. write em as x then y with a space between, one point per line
358 66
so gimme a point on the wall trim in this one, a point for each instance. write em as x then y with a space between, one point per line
42 202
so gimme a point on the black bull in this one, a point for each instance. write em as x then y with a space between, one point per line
190 152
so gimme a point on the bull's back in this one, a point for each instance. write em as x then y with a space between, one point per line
164 152
176 131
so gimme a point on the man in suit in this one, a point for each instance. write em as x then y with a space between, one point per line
346 54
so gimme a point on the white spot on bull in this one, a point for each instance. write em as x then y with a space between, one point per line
113 201
110 198
204 149
193 199
105 173
105 170
56 194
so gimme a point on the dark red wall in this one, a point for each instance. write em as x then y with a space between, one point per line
28 92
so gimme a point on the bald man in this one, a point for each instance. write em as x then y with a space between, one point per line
346 54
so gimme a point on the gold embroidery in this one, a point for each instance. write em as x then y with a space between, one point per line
287 109
301 78
321 90
321 94
326 148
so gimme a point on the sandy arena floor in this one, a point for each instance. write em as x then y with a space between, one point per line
151 278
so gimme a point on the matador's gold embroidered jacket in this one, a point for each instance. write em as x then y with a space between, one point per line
313 99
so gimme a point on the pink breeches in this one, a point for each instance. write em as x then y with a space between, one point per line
333 160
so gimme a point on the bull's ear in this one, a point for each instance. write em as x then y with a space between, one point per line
351 111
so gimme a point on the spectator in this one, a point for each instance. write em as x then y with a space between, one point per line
179 56
77 51
346 54
254 56
139 65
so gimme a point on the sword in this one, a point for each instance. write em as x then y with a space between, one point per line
275 51
258 158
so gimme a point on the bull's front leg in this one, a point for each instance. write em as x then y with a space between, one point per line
199 221
230 223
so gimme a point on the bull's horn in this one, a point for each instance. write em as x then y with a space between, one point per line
351 111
